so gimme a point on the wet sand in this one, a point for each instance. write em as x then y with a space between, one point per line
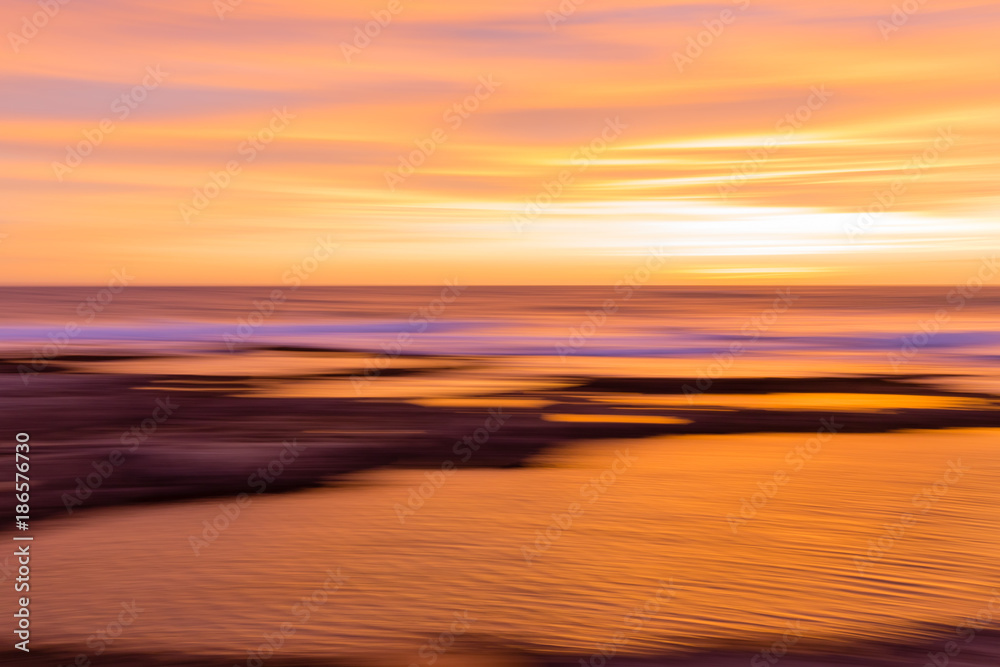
223 428
983 651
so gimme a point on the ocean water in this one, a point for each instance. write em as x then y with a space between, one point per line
662 524
621 321
853 505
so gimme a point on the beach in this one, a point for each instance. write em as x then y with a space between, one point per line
656 498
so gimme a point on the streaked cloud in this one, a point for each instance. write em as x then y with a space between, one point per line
658 184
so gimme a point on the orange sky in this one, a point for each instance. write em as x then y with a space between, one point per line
670 122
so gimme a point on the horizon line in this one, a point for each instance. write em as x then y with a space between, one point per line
468 285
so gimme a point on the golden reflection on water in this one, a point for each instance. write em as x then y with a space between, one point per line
804 401
659 513
614 418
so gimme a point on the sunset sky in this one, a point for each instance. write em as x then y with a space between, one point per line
825 108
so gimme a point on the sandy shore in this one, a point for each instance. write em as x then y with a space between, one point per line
217 434
982 651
